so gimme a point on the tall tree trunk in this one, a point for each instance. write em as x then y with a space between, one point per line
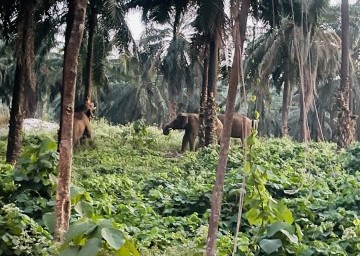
285 106
30 83
210 112
203 97
304 100
346 121
24 77
303 117
216 197
90 51
75 33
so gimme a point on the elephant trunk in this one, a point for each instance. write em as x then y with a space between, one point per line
166 130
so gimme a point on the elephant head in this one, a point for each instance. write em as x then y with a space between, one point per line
179 123
88 108
188 122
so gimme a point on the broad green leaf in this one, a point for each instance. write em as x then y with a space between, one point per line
253 216
247 167
91 247
284 214
113 237
279 226
84 208
70 251
76 230
270 245
49 221
128 249
47 145
107 223
291 237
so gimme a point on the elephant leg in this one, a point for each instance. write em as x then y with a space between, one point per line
192 143
184 143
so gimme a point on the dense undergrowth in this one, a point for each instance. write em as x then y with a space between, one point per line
131 183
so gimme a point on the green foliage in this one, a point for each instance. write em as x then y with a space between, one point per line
31 184
96 236
21 235
352 158
134 186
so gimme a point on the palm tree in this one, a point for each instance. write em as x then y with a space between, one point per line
106 20
135 90
307 58
173 44
73 37
346 121
209 24
24 76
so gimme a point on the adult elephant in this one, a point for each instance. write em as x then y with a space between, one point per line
241 126
190 123
81 126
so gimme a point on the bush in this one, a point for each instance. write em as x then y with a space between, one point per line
20 235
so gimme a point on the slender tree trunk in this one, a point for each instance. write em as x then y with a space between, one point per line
63 204
24 77
30 83
203 97
303 118
90 52
216 197
210 112
285 106
303 100
346 121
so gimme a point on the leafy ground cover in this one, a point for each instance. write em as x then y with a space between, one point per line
300 199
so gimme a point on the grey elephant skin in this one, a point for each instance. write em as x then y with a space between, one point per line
190 123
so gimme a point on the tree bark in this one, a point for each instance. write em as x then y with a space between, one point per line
24 77
346 121
30 81
225 140
75 33
203 97
90 51
285 106
210 112
305 81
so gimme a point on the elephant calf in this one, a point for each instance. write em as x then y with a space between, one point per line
190 123
241 126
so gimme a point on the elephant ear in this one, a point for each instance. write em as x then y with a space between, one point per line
184 119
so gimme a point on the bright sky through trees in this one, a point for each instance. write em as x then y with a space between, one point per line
136 26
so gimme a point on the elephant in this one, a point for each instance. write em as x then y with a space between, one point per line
81 126
241 126
89 109
190 123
